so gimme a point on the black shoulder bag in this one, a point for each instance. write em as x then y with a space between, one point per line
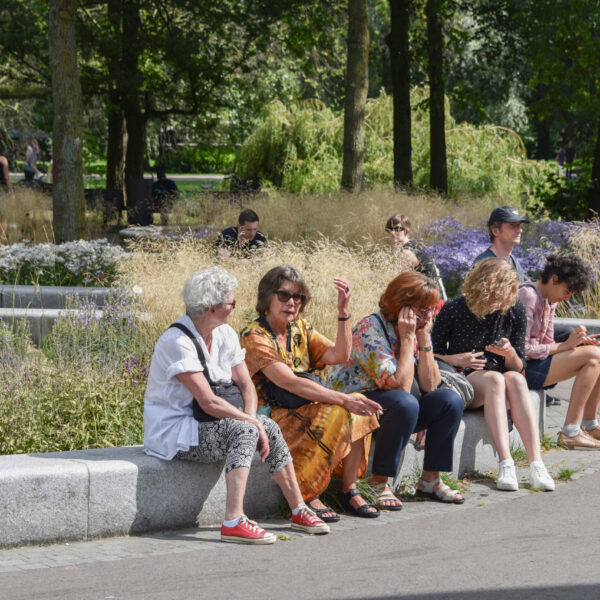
227 390
278 397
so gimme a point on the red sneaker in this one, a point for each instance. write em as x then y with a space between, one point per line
309 522
246 532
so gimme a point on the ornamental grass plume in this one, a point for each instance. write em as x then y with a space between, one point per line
161 268
585 242
28 215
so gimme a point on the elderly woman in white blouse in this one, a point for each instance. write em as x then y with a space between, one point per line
201 404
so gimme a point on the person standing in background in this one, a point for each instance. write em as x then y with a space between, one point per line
31 157
569 158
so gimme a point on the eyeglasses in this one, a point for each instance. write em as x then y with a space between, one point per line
232 304
396 229
422 311
283 296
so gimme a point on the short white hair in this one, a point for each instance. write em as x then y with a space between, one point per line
207 288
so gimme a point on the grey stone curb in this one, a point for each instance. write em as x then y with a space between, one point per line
87 494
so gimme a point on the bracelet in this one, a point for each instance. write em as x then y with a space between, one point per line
344 318
425 349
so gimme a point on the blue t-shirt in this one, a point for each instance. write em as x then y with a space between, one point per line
514 261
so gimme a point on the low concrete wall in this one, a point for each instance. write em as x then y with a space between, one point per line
87 494
592 325
49 296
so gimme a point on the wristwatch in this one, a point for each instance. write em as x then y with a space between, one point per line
425 349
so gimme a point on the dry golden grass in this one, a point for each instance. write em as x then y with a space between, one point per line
586 244
161 270
351 218
26 215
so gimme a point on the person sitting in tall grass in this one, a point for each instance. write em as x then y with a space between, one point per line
327 431
482 333
398 227
578 356
383 367
200 405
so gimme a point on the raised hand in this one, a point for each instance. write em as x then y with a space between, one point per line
344 294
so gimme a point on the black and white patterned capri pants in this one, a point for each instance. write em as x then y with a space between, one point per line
235 441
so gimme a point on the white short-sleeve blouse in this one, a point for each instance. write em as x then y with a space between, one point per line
168 422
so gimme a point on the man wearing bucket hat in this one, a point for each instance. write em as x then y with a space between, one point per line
505 226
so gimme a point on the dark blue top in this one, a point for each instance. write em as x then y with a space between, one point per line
512 259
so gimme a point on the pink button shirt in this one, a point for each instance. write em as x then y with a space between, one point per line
540 322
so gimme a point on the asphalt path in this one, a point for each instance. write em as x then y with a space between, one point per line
534 545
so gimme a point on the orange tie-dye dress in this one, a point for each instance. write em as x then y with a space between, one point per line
318 435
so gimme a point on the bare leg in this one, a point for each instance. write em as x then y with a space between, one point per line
490 392
286 480
235 482
350 470
583 363
523 413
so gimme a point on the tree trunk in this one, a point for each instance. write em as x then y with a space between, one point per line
67 167
594 197
116 145
130 82
357 85
543 149
438 176
400 61
115 151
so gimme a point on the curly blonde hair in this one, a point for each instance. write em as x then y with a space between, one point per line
491 285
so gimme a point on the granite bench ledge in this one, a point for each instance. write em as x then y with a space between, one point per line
87 494
473 447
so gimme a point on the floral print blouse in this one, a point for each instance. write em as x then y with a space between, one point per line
372 359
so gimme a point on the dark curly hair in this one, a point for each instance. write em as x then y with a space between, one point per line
569 269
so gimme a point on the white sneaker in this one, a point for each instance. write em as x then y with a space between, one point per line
540 478
507 478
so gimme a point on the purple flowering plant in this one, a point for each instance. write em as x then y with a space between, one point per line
454 246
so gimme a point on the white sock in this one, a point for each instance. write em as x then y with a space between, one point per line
534 463
589 424
507 462
233 522
571 430
298 508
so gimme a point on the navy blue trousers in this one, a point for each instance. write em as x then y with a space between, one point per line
439 412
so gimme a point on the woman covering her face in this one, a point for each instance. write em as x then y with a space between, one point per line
383 366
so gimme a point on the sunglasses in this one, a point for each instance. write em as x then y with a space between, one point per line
283 296
422 311
396 228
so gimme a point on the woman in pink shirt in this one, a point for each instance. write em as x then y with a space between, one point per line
578 356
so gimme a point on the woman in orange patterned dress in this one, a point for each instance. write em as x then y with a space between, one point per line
330 433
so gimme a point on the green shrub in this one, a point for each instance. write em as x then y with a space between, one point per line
198 159
563 198
299 148
85 389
